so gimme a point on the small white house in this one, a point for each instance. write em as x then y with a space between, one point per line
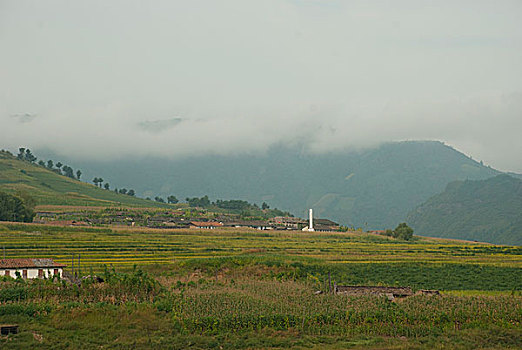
30 268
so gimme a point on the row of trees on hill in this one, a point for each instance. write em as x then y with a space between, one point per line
25 154
234 204
170 199
98 181
244 208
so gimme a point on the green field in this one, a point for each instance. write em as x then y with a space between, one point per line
255 289
50 188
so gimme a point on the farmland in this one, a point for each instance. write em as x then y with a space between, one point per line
245 288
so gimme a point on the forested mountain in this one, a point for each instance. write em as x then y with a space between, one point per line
374 188
485 210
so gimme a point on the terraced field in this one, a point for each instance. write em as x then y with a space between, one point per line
249 289
350 257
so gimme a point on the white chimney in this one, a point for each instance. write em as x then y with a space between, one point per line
311 225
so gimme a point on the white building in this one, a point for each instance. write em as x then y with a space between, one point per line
30 268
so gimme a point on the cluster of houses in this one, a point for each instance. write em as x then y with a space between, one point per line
172 221
276 223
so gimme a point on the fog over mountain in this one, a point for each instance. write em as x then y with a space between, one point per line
109 80
370 189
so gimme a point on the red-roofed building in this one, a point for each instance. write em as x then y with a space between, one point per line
30 268
205 224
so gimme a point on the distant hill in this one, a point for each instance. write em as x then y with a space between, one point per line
485 210
372 189
48 187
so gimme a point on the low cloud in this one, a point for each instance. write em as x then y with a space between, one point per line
469 125
156 126
179 79
24 118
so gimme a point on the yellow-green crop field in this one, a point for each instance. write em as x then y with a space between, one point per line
249 289
351 257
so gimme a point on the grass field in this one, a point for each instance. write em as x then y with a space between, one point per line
48 187
229 289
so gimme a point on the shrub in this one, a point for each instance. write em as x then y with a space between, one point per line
403 231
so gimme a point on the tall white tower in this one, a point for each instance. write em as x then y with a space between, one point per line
311 225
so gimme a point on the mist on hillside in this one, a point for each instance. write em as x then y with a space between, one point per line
176 79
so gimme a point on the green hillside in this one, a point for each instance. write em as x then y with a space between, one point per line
50 188
373 189
487 210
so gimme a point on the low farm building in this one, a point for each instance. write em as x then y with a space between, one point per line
378 232
257 224
289 222
205 224
30 268
375 290
325 225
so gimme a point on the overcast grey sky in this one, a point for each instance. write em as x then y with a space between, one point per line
111 78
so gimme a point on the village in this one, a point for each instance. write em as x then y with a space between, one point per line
197 218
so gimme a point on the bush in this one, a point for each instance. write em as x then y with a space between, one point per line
403 231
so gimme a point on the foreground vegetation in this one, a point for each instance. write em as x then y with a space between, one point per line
256 289
199 311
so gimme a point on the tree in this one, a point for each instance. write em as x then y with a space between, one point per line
131 193
68 171
172 199
265 206
50 164
403 231
29 156
41 163
78 174
159 199
14 208
106 186
97 181
123 191
21 153
59 165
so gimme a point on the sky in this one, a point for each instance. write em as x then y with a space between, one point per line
120 78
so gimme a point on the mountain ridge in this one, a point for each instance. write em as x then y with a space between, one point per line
484 210
372 189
